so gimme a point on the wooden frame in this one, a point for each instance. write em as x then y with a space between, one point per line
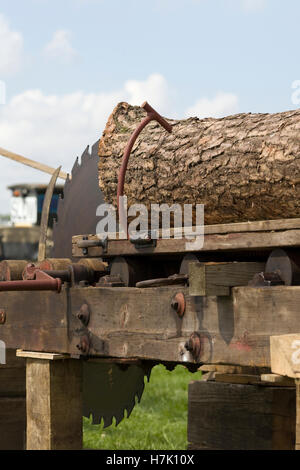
141 323
267 234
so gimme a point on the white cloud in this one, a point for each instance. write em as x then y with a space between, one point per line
60 47
11 49
221 105
155 89
253 5
55 129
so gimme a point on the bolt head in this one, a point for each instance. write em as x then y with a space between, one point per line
2 317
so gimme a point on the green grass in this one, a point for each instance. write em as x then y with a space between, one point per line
159 422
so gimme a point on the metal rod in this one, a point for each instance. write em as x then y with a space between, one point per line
31 163
151 115
51 285
45 215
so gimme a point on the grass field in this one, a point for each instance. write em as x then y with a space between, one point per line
159 422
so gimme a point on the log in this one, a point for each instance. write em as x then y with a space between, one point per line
242 167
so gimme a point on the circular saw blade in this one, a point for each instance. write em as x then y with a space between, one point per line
76 212
108 390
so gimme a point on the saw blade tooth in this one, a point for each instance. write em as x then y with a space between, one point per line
95 148
75 168
86 413
130 407
149 374
85 155
96 418
77 199
107 421
119 417
129 411
139 392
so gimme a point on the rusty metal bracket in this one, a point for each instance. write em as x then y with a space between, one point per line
151 115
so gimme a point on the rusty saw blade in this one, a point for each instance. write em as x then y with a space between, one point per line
45 215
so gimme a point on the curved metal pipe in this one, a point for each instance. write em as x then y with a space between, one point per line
151 115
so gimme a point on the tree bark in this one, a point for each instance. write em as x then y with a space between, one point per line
241 167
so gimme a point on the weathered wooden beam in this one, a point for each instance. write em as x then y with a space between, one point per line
244 379
218 278
231 369
32 163
226 416
235 241
54 404
141 323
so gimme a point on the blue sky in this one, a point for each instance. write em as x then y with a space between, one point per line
67 63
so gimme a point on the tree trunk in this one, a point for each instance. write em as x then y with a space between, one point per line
242 167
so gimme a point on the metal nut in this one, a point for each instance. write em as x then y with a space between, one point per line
178 304
84 345
193 345
84 314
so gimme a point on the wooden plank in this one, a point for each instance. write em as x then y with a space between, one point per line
276 379
54 404
238 378
40 355
31 163
237 227
224 416
252 379
231 369
285 355
218 278
236 241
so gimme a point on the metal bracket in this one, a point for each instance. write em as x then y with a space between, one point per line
145 240
85 244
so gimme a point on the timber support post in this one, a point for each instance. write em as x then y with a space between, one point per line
53 401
